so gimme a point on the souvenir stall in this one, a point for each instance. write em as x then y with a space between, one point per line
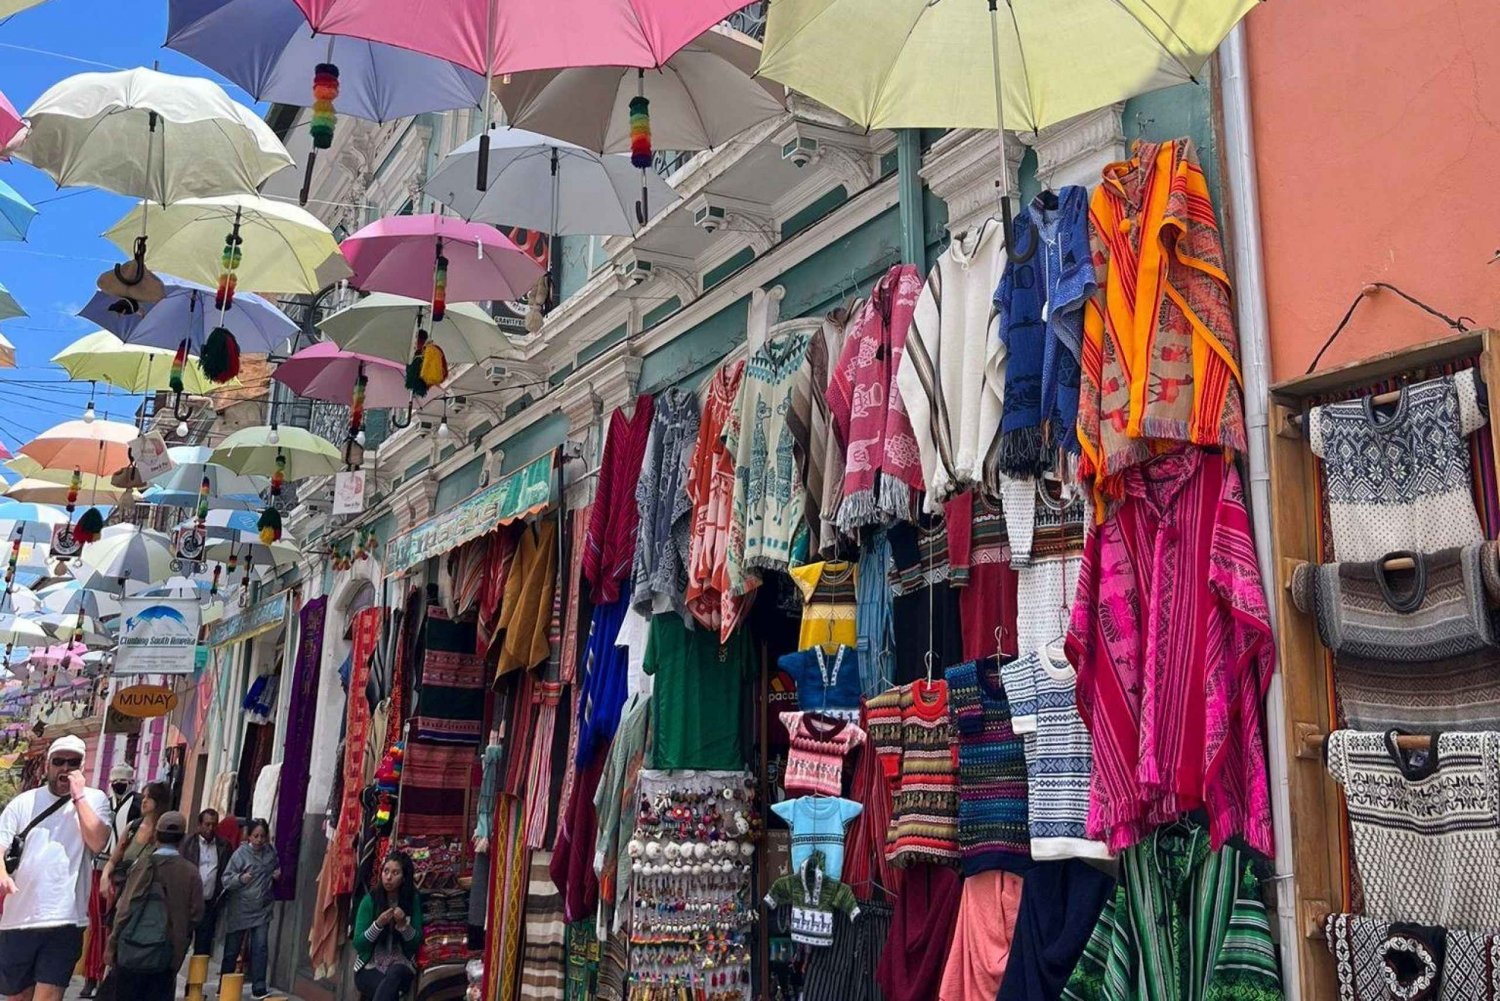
1385 476
919 653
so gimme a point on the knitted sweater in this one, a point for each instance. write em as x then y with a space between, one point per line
991 769
910 730
815 764
952 373
1412 649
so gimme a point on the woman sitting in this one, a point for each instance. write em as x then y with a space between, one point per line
387 932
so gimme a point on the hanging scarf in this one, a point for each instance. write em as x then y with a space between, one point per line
1048 278
882 467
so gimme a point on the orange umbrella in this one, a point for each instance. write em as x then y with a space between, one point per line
99 447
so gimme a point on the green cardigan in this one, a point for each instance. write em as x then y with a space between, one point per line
366 934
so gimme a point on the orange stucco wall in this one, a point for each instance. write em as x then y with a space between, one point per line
1377 131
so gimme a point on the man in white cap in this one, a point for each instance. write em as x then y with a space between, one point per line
123 799
56 831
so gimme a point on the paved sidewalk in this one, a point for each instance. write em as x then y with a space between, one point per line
75 989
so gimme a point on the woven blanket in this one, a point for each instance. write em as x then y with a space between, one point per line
435 781
356 735
450 702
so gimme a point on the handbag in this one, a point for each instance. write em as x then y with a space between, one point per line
17 846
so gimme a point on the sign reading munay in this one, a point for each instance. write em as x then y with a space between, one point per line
524 492
157 636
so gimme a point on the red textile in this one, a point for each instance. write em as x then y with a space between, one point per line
567 671
356 735
500 547
572 867
988 589
609 545
711 489
866 868
916 950
93 955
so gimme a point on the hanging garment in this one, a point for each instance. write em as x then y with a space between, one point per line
767 487
543 965
1186 923
572 865
867 870
1173 646
826 682
548 762
500 549
659 576
1048 278
365 631
1377 961
711 490
952 372
982 937
846 970
1425 825
567 668
697 699
830 597
882 465
817 824
818 747
450 693
605 670
526 610
609 544
1060 905
1400 481
616 805
1160 354
1412 649
1059 754
916 950
992 792
925 617
819 454
291 803
814 897
979 553
912 733
872 618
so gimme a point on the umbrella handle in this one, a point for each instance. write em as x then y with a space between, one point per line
482 182
312 158
138 258
398 423
178 410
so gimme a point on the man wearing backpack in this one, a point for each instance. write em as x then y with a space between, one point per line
160 906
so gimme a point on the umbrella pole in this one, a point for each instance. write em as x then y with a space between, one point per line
1004 194
139 255
482 183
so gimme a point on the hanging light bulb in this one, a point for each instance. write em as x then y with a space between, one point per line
182 428
88 413
275 436
443 431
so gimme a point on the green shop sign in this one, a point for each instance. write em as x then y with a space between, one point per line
260 617
524 492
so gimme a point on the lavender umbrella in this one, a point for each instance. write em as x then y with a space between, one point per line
256 324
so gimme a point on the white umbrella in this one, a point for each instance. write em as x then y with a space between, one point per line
64 627
68 596
385 325
252 551
286 249
126 553
546 185
19 630
19 599
152 135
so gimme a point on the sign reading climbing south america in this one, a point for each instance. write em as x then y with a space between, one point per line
157 636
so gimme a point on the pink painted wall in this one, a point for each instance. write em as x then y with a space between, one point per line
1377 131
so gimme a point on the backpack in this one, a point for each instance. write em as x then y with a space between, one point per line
145 945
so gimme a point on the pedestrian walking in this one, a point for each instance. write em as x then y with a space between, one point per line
49 837
388 932
125 803
138 842
207 850
248 878
157 913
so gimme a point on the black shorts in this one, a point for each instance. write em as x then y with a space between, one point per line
31 956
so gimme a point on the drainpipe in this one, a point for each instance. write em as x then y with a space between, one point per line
909 187
1254 331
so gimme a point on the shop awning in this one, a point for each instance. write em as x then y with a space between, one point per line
526 491
260 617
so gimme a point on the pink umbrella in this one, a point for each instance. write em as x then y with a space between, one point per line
327 372
56 655
11 123
438 259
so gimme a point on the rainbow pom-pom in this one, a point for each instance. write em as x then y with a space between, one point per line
325 92
640 132
440 289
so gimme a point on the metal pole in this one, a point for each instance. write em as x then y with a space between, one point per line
1001 190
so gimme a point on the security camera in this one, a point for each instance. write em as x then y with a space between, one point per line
631 271
707 216
457 404
799 151
496 373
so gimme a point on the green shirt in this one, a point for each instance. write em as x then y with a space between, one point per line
1185 924
698 697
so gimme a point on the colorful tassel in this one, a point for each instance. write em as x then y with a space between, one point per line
269 525
213 589
221 356
434 365
234 562
203 500
325 91
357 404
75 484
15 557
179 363
89 526
440 287
640 132
229 262
278 477
414 382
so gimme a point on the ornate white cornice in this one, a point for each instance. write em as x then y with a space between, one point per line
1075 151
962 169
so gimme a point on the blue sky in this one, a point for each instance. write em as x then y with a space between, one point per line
52 274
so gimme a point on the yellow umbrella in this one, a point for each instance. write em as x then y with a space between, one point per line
29 469
135 368
931 64
97 489
256 451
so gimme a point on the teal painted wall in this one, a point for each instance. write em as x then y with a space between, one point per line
576 264
729 266
523 446
460 483
659 313
697 349
591 351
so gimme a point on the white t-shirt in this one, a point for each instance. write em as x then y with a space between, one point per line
52 886
208 865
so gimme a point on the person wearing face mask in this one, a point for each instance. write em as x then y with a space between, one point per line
58 828
123 799
248 878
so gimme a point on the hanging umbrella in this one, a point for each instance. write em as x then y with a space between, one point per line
74 629
249 550
16 213
59 655
224 524
146 134
19 600
38 491
99 447
255 450
135 368
10 7
285 249
69 596
382 325
401 254
226 490
29 521
20 630
126 553
545 185
700 98
327 372
9 310
12 127
254 321
28 468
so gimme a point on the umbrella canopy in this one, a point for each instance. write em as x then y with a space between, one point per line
20 630
286 249
39 491
127 553
11 125
918 64
67 597
397 255
29 468
525 35
702 97
251 550
19 600
384 325
90 632
98 447
546 185
185 311
59 654
265 47
16 213
327 372
95 129
251 451
9 310
135 368
226 490
9 7
231 525
30 521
